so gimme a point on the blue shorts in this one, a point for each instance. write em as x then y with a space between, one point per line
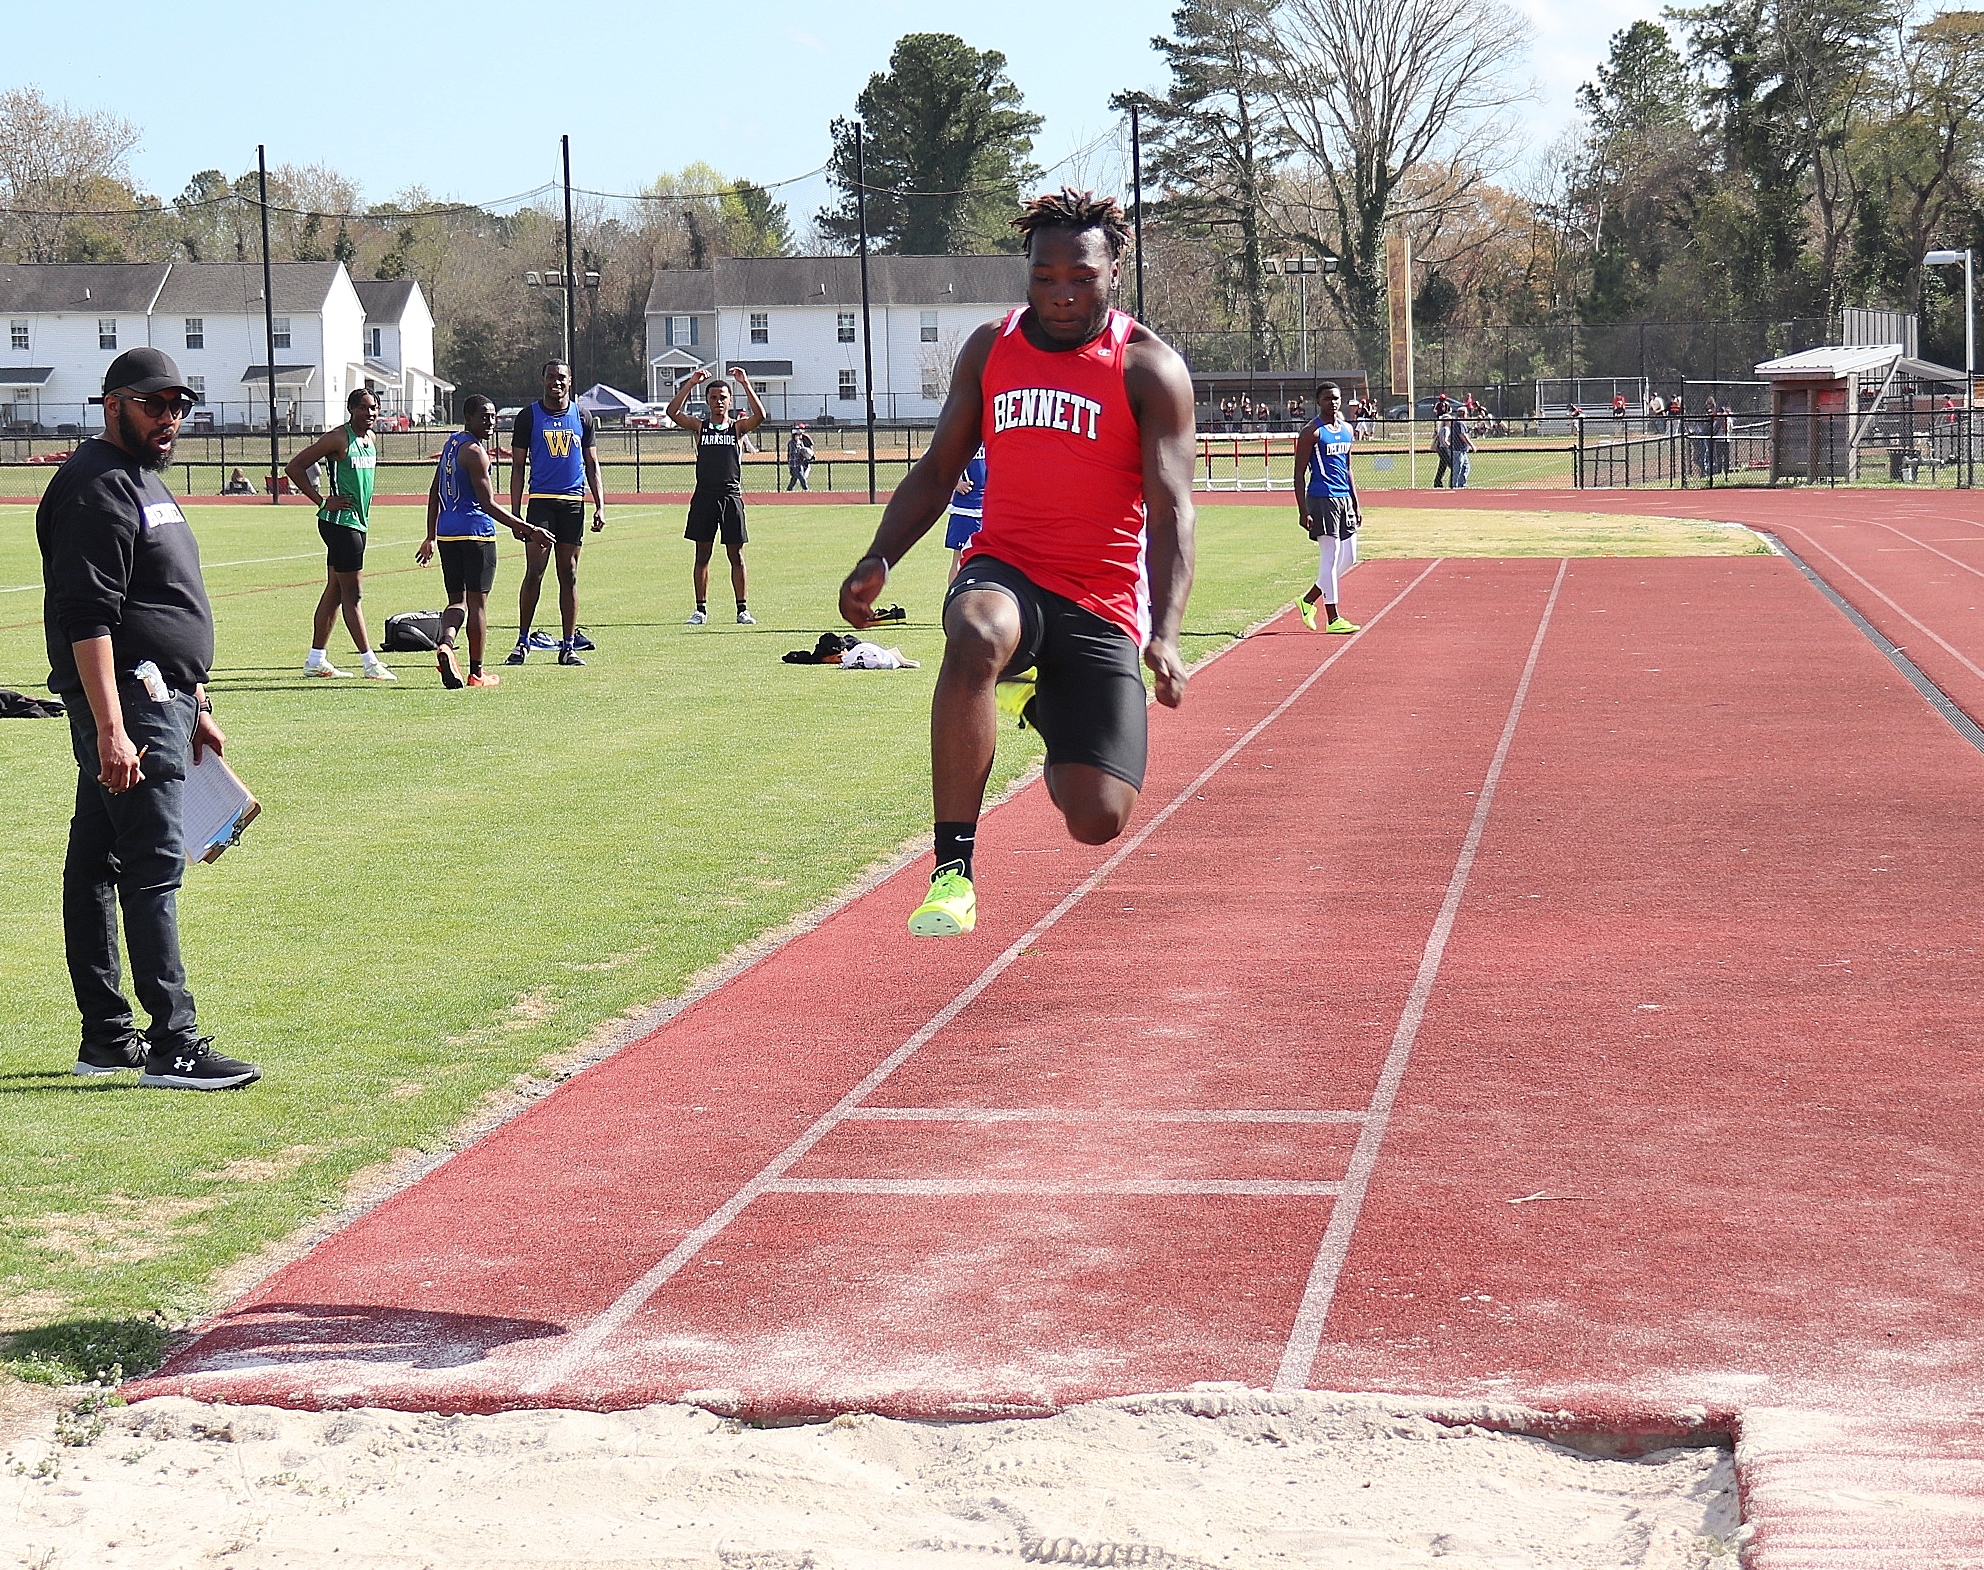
963 526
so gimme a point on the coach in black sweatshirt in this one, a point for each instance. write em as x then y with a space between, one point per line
122 586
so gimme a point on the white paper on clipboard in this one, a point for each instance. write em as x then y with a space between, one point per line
218 808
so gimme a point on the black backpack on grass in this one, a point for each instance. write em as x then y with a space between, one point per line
413 632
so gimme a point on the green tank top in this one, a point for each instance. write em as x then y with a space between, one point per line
351 475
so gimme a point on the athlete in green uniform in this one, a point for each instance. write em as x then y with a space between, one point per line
341 520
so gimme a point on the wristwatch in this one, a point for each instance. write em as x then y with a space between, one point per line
206 704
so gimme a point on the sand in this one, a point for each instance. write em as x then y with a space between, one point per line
1231 1480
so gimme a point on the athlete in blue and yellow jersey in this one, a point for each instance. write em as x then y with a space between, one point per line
554 446
1326 502
462 514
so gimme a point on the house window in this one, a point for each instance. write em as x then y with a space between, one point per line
684 332
850 387
196 332
375 340
197 385
106 332
17 332
928 331
761 327
932 388
279 338
846 325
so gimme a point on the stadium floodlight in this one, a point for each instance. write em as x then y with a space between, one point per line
1950 259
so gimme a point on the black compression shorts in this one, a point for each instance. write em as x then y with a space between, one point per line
720 514
564 516
1090 704
467 567
344 546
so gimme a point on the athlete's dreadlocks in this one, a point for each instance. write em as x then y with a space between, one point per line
1068 208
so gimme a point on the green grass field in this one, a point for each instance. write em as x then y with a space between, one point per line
447 889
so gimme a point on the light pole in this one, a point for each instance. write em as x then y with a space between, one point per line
1301 269
1950 259
554 278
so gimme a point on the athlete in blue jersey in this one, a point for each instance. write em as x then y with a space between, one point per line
967 508
555 450
462 514
1326 502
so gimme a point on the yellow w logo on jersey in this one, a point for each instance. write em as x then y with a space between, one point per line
558 444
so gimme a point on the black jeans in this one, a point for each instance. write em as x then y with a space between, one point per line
129 850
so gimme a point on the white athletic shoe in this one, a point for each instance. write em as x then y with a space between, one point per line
746 619
697 618
320 668
375 670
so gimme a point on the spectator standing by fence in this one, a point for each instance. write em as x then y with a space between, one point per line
1460 444
799 459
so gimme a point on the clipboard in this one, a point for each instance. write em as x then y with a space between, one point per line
218 807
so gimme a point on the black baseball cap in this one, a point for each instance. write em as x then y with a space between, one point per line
144 371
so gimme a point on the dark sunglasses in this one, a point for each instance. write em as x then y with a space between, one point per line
157 407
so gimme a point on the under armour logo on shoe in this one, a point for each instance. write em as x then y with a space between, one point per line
184 1065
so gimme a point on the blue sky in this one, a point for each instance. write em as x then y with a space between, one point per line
469 101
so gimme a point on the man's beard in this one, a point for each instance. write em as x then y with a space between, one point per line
132 440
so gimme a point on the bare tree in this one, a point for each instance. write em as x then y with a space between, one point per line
1382 98
57 163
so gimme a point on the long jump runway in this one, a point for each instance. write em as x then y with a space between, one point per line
1562 994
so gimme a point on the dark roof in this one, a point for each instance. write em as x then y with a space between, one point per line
286 375
384 299
737 282
682 291
111 286
25 375
230 288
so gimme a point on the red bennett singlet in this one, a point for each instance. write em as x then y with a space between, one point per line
1064 473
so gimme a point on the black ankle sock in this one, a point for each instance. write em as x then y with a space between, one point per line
703 606
740 606
475 667
955 842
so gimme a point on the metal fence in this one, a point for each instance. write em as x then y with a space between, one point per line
1907 446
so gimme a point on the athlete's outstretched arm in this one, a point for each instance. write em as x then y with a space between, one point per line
680 401
1160 390
926 491
475 468
424 551
756 417
519 457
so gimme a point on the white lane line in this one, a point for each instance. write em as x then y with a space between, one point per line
1925 545
1082 1115
1921 627
1298 1358
1039 1188
582 1344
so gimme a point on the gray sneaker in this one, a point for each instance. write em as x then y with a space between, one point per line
121 1057
195 1066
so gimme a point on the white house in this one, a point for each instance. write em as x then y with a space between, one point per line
793 324
66 323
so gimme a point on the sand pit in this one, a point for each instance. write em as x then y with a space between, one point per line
1199 1479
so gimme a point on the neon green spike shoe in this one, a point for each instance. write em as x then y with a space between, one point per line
1340 625
951 908
1016 693
1308 610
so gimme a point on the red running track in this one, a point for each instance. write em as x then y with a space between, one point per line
1563 993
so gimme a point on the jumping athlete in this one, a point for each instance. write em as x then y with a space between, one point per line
554 439
967 511
1086 553
342 517
1326 504
462 514
718 505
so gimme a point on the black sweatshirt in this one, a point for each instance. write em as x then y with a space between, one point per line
118 560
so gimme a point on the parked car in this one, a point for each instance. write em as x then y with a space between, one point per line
653 418
1427 410
393 422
